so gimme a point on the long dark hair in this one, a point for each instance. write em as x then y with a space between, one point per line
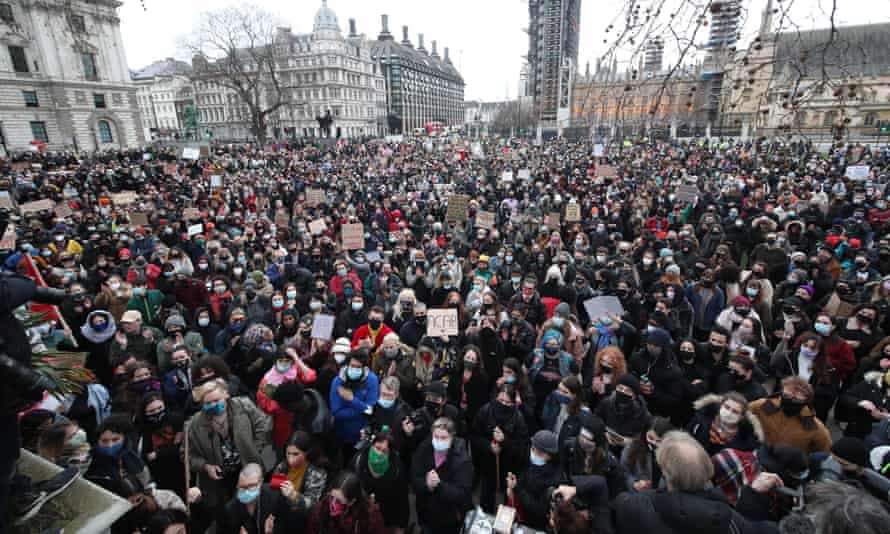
349 483
638 449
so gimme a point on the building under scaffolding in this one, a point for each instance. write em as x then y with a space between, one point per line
552 56
725 18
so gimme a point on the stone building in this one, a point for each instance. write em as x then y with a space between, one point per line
64 80
421 85
163 90
553 42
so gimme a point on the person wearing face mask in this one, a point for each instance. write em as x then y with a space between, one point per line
371 334
707 300
414 328
788 418
624 412
113 458
866 403
442 478
97 334
176 333
354 315
288 368
395 359
178 381
550 364
741 377
64 444
220 299
205 326
346 509
724 422
389 412
225 435
585 459
161 435
862 331
531 492
638 457
255 508
341 274
301 478
189 292
258 307
147 302
354 393
562 321
113 296
661 381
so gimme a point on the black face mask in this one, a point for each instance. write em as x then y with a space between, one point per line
501 412
716 349
791 407
707 283
623 399
420 319
736 377
250 294
605 369
433 407
374 324
687 355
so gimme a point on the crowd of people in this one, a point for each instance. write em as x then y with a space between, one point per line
252 375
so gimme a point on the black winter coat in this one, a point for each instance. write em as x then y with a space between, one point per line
514 449
445 506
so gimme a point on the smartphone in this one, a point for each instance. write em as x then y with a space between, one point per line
276 481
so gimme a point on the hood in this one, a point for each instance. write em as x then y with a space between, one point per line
95 336
713 402
707 511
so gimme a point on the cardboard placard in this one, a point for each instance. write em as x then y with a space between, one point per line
857 172
315 197
191 153
573 213
606 171
216 181
146 156
503 521
507 176
525 174
138 218
323 326
457 208
170 169
687 193
485 219
6 202
191 214
122 199
441 322
195 229
318 226
62 210
7 242
353 236
282 218
552 220
204 151
37 206
598 307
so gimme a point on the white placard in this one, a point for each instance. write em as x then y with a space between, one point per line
196 229
191 153
323 326
858 172
441 322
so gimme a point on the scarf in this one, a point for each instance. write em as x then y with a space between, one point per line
718 435
295 475
604 339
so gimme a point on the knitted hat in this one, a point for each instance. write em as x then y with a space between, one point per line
742 301
545 441
852 450
174 320
562 309
437 389
665 253
551 334
250 283
630 381
595 426
341 346
659 338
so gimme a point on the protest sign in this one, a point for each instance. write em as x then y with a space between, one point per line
507 177
457 208
191 153
373 256
552 220
573 213
441 322
138 218
204 151
687 193
525 174
323 326
7 242
195 229
122 199
353 236
37 206
216 181
191 214
485 219
315 197
858 172
6 202
62 210
282 218
317 226
598 150
598 307
606 171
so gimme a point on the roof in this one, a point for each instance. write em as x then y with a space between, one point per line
381 49
855 50
165 67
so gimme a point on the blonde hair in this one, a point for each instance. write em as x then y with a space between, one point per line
217 384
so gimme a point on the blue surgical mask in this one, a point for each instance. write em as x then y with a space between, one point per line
203 321
535 459
510 379
283 368
441 445
214 408
752 292
138 291
100 327
357 306
386 404
822 329
353 373
248 496
341 272
112 451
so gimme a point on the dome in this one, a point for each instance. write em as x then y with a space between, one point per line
325 18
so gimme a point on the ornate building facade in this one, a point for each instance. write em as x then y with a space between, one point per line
64 81
164 90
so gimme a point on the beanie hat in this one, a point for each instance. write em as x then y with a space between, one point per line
673 268
852 450
551 334
437 389
545 441
630 381
658 337
174 320
562 309
341 346
741 301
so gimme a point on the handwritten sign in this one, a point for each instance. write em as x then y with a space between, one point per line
6 202
485 219
552 220
122 199
204 151
138 218
687 193
353 236
315 197
282 218
598 307
216 181
195 229
317 226
7 242
573 213
507 176
37 206
323 326
191 214
62 210
441 322
457 208
191 153
525 174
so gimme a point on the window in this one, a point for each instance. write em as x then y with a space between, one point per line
89 66
30 99
105 132
828 120
6 13
38 131
870 118
99 100
19 60
77 24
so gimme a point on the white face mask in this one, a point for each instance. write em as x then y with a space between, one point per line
729 417
339 358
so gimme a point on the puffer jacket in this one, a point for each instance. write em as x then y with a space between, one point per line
748 437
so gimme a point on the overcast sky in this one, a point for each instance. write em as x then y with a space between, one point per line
485 36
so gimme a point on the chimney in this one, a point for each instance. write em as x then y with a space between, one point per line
352 32
384 31
405 39
420 47
434 53
446 59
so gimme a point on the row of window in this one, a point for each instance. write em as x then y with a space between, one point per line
20 63
76 22
39 133
31 100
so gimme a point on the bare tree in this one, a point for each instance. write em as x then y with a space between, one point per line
240 52
514 114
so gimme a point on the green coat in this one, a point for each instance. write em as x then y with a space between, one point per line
149 306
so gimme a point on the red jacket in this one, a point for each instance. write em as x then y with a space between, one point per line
840 355
336 284
364 331
281 418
